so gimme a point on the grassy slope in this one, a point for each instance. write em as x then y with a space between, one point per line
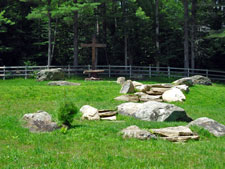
96 144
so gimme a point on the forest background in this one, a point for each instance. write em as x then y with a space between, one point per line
178 33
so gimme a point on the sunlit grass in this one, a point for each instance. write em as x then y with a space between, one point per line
96 144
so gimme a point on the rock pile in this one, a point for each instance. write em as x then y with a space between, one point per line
151 92
91 113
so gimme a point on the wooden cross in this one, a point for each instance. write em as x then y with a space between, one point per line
94 45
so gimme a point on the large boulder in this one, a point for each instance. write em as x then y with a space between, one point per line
201 80
190 81
173 95
127 87
121 80
211 125
63 83
136 132
40 121
127 98
50 74
154 111
184 81
89 113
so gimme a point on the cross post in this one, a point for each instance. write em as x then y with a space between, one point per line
94 45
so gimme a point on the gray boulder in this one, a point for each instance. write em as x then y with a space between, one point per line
50 74
136 132
211 125
154 111
39 122
127 87
190 81
63 83
201 80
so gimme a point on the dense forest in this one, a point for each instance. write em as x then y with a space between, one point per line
181 33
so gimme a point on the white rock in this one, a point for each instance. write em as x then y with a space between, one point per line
89 113
183 88
173 95
112 118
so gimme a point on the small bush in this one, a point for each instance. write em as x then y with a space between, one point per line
66 113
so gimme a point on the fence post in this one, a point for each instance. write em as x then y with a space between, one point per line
207 73
69 71
168 71
89 67
150 71
109 71
26 72
130 71
4 72
188 72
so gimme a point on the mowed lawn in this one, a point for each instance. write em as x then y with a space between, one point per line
97 144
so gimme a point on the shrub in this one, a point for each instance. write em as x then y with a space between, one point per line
66 113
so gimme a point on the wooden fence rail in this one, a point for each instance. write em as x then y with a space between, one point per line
113 71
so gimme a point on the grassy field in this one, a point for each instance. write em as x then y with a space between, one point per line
96 144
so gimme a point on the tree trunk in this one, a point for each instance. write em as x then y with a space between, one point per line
186 46
157 34
49 34
193 33
54 40
75 39
125 49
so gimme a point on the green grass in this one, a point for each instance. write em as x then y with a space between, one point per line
96 144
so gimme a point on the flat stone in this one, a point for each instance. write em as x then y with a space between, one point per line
135 83
184 81
139 94
181 138
92 79
142 88
111 118
40 121
106 113
173 95
157 91
63 83
210 125
89 113
173 131
146 98
127 98
162 85
127 87
154 111
136 132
